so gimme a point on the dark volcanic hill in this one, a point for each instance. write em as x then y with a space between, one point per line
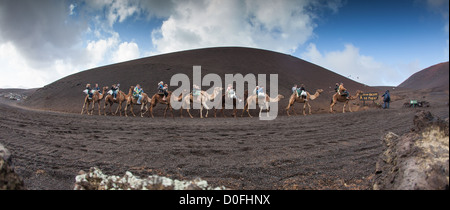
66 94
434 78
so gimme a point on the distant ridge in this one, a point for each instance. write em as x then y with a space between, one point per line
434 78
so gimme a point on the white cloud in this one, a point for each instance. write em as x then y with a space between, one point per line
51 39
17 73
126 51
349 62
275 25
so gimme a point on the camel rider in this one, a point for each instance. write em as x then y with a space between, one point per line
137 93
115 90
230 92
343 91
255 91
337 88
163 88
302 91
260 92
97 88
88 91
196 92
294 90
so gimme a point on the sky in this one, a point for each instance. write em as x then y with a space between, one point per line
374 42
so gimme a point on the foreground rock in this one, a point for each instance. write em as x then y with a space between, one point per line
96 180
418 160
9 180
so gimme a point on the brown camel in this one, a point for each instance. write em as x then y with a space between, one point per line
110 101
296 99
158 99
338 98
131 101
205 96
235 103
96 98
254 99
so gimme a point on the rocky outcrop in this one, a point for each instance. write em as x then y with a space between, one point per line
9 180
96 180
418 160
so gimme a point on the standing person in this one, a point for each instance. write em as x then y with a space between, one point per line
386 100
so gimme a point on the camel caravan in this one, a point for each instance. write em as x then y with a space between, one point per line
198 98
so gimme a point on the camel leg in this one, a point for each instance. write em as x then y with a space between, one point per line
165 111
189 112
207 109
235 112
142 108
131 110
287 109
171 110
304 107
345 104
104 108
119 109
201 111
82 109
151 110
248 111
309 106
331 106
99 113
350 107
223 112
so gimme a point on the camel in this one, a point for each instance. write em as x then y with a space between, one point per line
96 98
235 103
254 99
158 99
294 98
203 99
110 101
338 98
131 101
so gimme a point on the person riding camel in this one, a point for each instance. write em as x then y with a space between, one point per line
115 90
231 93
294 90
88 91
137 93
163 88
196 92
342 91
97 88
260 92
302 91
255 91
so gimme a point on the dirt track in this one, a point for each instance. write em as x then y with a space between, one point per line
322 151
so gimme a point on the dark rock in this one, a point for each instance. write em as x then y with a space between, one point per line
417 160
9 180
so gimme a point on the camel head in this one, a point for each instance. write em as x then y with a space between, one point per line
319 91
